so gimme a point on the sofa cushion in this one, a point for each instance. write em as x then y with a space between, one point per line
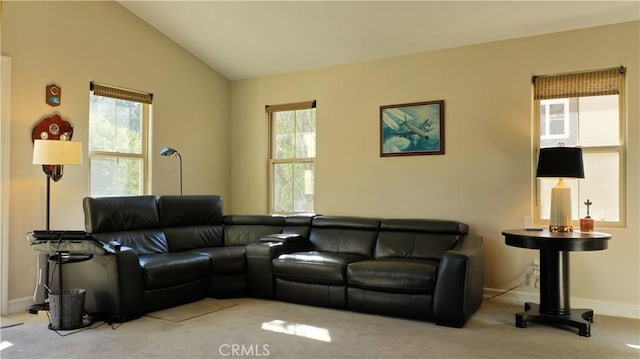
417 238
240 230
148 241
225 260
424 225
177 211
241 235
314 267
116 214
298 224
169 269
353 235
394 275
413 245
192 237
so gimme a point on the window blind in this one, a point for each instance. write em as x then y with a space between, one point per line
579 84
120 93
291 106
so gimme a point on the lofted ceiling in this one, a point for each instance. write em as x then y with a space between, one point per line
246 39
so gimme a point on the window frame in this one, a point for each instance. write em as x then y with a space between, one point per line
620 149
270 111
145 181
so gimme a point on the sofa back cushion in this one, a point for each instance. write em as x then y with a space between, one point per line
193 237
354 235
131 220
179 211
190 222
115 214
298 224
240 230
417 238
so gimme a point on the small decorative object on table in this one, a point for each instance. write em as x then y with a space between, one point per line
586 223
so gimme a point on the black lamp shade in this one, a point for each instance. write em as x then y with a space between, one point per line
565 162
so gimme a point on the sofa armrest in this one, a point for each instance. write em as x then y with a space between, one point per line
460 282
259 256
130 284
114 284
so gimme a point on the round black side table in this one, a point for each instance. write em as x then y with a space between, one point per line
554 247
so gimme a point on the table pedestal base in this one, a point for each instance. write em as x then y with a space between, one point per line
577 318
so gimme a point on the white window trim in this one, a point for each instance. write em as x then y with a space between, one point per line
272 162
620 149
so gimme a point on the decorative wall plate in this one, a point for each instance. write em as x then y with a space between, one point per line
52 128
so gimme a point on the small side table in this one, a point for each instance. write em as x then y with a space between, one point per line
554 249
63 247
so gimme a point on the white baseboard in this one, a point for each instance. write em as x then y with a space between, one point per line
614 309
19 305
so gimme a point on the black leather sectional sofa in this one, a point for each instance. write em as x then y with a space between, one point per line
170 250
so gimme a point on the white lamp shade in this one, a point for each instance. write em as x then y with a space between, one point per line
54 152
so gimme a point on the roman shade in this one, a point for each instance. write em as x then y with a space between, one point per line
291 106
120 93
579 84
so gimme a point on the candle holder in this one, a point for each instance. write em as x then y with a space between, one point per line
586 223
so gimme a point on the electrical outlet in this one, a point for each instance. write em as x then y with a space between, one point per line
533 274
536 273
528 276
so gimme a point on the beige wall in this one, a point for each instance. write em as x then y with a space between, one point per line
71 44
484 178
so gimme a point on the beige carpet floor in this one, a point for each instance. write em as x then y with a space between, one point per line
8 322
193 310
273 329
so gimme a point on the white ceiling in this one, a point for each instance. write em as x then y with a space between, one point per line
245 39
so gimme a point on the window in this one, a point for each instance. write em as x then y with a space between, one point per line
585 110
554 119
118 127
292 153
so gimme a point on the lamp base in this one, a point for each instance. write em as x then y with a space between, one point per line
560 217
556 228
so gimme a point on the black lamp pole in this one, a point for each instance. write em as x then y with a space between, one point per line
180 158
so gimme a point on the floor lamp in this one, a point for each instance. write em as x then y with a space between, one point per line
168 151
51 152
56 152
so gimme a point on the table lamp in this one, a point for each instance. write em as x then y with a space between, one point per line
56 152
560 162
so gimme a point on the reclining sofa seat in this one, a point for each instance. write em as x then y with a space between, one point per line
157 237
423 269
407 276
316 275
168 250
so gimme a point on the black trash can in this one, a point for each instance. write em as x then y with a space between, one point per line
71 309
